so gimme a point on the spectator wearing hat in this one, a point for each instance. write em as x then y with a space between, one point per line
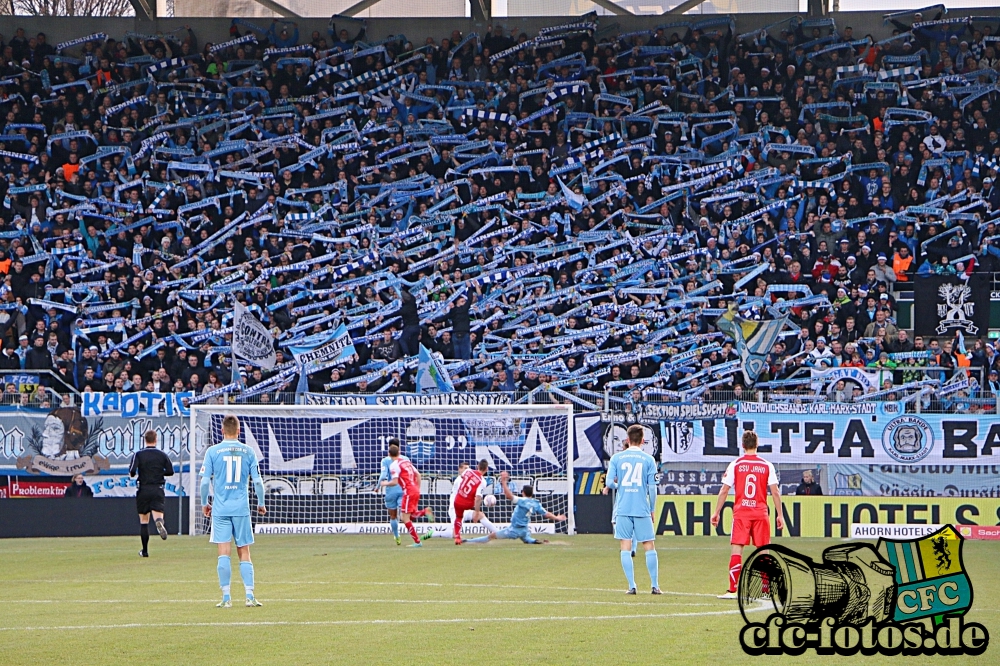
883 271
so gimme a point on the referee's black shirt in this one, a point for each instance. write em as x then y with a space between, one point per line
151 465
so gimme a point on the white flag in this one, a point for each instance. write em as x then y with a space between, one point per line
251 339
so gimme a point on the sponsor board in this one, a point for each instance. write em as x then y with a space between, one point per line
876 531
442 529
914 480
980 532
826 517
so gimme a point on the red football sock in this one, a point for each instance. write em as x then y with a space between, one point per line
419 514
458 528
412 530
735 565
765 583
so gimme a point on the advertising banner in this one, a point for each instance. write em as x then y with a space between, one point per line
870 433
64 442
914 480
690 515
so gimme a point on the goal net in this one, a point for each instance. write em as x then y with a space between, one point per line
321 463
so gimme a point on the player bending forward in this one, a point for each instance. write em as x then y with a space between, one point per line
524 507
406 476
467 499
633 473
750 477
225 483
393 494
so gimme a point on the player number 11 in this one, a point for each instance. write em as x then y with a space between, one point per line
232 468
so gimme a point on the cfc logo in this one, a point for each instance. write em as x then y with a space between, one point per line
908 439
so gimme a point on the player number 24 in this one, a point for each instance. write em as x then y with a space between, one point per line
631 474
233 468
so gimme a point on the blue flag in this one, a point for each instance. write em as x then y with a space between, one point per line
430 375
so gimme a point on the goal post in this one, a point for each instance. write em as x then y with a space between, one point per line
321 463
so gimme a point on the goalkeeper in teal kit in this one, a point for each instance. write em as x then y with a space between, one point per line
633 473
225 482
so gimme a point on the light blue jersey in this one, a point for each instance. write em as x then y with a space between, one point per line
633 473
393 494
228 469
524 507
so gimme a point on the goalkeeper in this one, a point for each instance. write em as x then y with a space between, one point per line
524 507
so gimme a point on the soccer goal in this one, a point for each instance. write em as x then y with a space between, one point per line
321 463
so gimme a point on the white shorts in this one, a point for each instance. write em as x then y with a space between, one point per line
467 516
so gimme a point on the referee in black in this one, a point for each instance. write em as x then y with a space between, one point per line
152 465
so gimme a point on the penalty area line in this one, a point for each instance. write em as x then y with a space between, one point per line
334 623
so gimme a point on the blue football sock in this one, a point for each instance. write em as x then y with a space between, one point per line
394 524
246 571
225 573
627 567
653 566
482 539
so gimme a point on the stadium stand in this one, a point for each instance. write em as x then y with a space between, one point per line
595 215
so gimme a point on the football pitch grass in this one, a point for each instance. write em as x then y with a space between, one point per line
363 600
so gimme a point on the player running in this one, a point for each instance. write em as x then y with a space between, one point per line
467 499
632 473
750 477
225 482
393 494
524 507
406 476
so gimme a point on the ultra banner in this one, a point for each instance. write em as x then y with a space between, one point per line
943 304
64 442
869 433
679 515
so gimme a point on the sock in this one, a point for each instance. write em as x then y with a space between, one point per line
225 574
412 530
458 528
735 564
144 535
485 522
482 539
627 567
419 514
394 526
653 567
246 572
635 543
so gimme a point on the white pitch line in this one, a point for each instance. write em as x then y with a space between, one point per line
206 581
499 602
333 623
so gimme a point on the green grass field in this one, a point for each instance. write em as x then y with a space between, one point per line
363 600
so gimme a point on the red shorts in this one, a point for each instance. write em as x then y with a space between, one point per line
461 508
747 529
409 503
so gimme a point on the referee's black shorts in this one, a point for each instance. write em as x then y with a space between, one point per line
149 498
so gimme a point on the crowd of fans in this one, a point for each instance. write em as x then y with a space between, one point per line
571 210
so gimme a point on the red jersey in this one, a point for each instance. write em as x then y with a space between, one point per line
469 485
750 477
402 469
